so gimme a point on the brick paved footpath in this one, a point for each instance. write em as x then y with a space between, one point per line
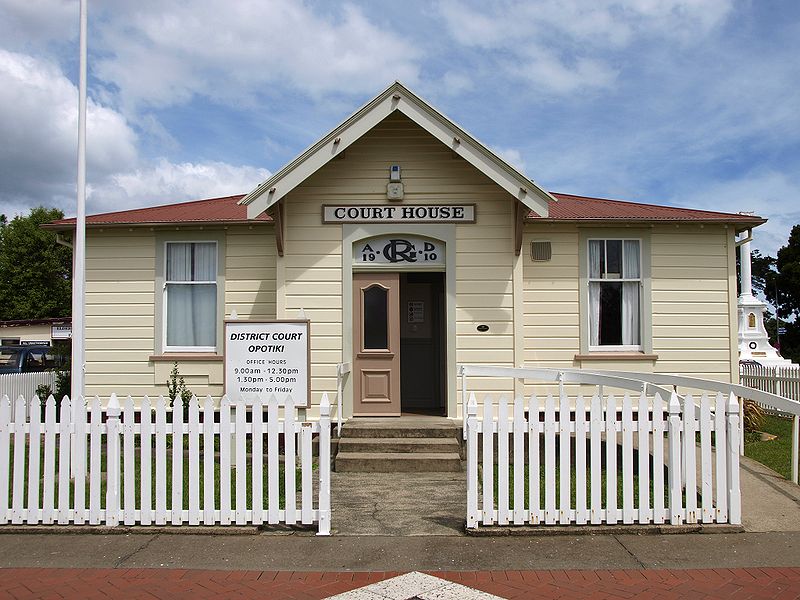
198 584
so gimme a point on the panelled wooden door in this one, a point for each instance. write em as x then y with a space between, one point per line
376 344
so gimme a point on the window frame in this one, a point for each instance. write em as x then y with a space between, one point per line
645 346
161 305
622 280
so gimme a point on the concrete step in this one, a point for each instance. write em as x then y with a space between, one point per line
387 428
392 462
435 445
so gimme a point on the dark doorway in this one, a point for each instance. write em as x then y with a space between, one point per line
422 339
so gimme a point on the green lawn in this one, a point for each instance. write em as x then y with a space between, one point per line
777 453
169 480
603 485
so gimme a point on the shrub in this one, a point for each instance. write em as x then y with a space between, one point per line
753 416
176 386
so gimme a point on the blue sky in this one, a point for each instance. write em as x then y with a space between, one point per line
683 102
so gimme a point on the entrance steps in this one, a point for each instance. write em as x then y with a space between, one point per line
404 444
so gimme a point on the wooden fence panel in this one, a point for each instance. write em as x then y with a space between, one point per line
664 436
689 459
18 494
77 444
35 461
627 460
611 460
146 464
503 462
580 460
659 513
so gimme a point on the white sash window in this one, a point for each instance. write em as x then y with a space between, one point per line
615 284
190 291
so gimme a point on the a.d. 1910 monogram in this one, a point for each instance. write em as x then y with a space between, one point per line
395 250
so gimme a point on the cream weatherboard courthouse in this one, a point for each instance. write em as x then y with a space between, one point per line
411 248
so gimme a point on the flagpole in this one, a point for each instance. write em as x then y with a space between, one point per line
79 243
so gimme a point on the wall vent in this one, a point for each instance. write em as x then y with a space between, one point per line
541 251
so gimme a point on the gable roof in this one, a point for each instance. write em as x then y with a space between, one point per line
582 208
397 97
225 210
569 207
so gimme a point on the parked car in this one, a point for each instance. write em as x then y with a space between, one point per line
28 359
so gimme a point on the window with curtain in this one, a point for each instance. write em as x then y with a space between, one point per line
191 295
615 281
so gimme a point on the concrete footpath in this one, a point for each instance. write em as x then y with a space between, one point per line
400 523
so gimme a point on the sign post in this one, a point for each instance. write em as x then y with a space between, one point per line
268 357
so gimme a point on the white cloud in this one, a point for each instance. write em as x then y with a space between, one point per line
547 70
454 84
163 54
38 155
768 194
512 156
29 23
165 182
38 126
561 46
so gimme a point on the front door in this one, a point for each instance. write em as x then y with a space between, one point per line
376 341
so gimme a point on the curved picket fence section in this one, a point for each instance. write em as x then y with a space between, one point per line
15 385
198 464
603 460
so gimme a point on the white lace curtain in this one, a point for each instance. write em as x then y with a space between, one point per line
191 294
630 293
630 309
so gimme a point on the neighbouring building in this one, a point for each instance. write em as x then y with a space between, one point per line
35 332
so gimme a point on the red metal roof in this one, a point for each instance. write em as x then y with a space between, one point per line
212 210
582 208
568 208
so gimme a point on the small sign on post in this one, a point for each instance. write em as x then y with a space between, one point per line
268 357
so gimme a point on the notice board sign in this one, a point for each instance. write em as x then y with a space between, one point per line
268 357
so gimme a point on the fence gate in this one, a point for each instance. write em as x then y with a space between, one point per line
156 465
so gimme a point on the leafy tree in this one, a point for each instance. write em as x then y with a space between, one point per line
779 280
35 271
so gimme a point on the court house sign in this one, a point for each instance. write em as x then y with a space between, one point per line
386 213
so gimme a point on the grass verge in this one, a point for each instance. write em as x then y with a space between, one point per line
775 454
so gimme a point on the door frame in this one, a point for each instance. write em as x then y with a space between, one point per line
446 233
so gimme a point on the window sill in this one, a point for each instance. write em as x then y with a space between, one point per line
625 356
186 356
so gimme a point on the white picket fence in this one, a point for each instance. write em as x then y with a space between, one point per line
130 464
576 479
15 385
782 381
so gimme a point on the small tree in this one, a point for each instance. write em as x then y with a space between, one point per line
176 386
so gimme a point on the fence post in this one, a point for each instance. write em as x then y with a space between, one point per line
674 438
112 461
795 445
463 401
471 435
741 425
339 387
734 491
324 466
